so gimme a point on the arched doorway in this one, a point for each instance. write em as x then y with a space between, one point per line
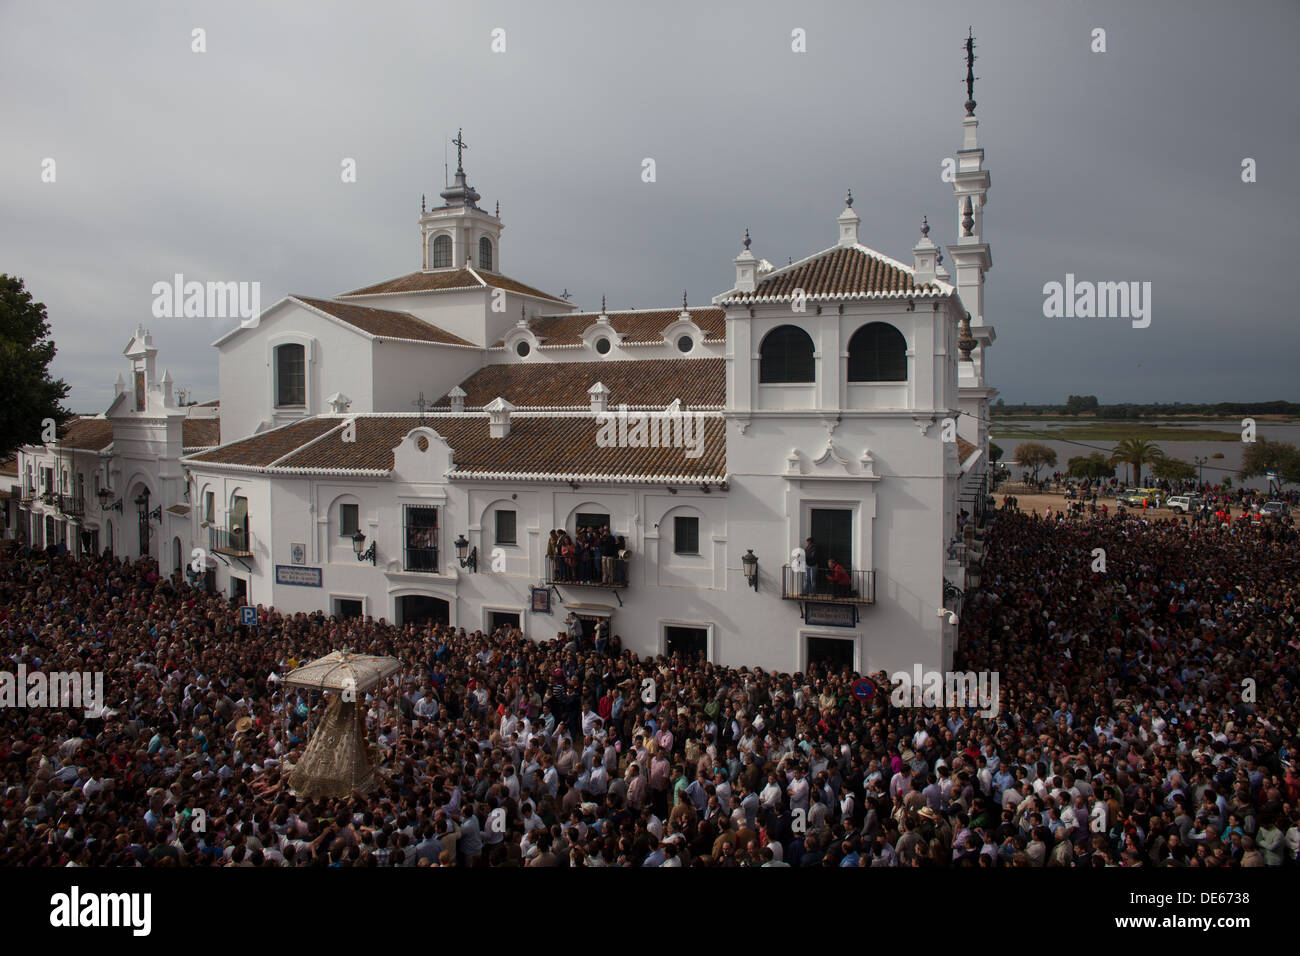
177 563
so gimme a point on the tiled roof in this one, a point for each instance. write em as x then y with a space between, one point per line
551 447
88 434
646 382
964 449
448 279
200 432
846 271
384 323
261 450
637 327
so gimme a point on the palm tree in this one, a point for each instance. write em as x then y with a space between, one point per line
1136 452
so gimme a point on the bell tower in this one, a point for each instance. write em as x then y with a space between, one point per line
458 234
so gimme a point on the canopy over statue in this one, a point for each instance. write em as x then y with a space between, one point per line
338 758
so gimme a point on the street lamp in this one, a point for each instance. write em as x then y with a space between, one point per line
106 496
359 548
749 561
1199 462
466 561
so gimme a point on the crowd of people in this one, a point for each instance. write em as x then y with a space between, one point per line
1147 717
593 555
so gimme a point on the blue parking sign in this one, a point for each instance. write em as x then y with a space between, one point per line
248 615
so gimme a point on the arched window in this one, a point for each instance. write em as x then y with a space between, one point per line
878 353
485 253
290 375
441 252
786 355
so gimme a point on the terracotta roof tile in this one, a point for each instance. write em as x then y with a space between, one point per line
656 382
843 271
448 279
964 449
636 326
200 432
385 323
88 434
261 450
557 447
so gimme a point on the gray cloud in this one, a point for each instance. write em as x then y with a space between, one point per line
225 165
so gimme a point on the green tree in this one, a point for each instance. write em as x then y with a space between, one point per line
1034 456
995 451
1136 452
1262 456
1173 469
1090 466
31 396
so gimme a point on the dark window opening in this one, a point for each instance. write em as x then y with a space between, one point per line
349 521
290 375
421 539
485 253
441 252
786 356
686 535
877 353
506 528
692 643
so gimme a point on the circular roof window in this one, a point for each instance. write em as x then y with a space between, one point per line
602 346
522 349
685 343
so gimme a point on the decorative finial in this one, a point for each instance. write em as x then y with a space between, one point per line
422 209
968 217
849 200
498 208
602 304
522 317
970 72
747 240
789 260
683 300
925 226
966 341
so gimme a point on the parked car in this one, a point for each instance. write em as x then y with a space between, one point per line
1182 504
1136 496
1274 509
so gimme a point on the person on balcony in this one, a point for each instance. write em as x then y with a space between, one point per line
810 557
624 554
841 581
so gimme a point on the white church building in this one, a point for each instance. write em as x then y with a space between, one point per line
405 451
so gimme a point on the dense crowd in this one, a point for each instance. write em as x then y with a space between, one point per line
1147 717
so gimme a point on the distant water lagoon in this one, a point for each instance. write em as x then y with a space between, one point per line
1166 436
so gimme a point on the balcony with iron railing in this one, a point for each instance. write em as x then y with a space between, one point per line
235 543
860 588
592 574
421 560
72 505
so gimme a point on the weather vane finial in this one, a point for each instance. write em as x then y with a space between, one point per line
683 300
459 143
970 72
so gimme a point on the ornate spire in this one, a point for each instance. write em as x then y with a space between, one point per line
498 209
925 226
460 193
747 239
970 72
683 300
422 209
602 304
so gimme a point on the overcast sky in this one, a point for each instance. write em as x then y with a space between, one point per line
225 165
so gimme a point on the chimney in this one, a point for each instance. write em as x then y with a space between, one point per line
457 396
848 221
746 268
925 261
599 397
499 417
